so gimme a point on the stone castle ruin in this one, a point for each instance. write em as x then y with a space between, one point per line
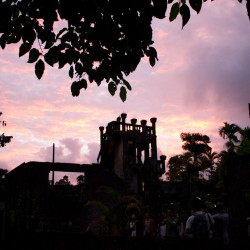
130 151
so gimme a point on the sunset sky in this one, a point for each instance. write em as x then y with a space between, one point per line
200 81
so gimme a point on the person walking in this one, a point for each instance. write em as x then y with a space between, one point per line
221 218
199 224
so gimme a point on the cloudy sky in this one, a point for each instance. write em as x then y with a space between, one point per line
200 81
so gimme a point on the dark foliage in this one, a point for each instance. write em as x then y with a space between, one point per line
98 40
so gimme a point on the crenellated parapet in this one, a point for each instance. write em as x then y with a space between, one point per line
121 125
128 148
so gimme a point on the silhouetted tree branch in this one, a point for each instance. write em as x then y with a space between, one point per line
99 40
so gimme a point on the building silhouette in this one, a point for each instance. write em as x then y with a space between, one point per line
127 162
30 202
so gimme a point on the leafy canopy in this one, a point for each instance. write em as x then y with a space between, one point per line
99 40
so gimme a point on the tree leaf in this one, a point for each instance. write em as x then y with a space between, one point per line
14 38
24 48
127 84
33 55
175 9
112 88
71 72
60 32
152 61
160 8
52 56
3 40
83 83
152 53
185 13
123 93
31 36
76 86
196 5
62 61
79 68
39 68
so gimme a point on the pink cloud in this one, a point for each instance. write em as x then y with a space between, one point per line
69 151
93 151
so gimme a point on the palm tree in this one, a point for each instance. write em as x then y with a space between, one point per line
210 161
244 147
218 178
230 132
194 160
197 145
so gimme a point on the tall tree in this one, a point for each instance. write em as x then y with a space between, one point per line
244 147
99 40
197 145
180 167
210 161
237 142
176 168
231 132
195 159
218 179
186 167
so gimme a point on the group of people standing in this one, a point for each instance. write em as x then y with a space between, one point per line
200 224
165 225
145 228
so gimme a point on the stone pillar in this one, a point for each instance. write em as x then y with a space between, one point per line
99 158
144 131
123 116
143 124
153 121
153 143
118 120
133 122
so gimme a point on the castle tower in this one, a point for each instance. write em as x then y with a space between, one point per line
130 150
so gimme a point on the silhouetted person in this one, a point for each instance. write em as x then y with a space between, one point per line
148 226
133 226
199 224
171 224
221 219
